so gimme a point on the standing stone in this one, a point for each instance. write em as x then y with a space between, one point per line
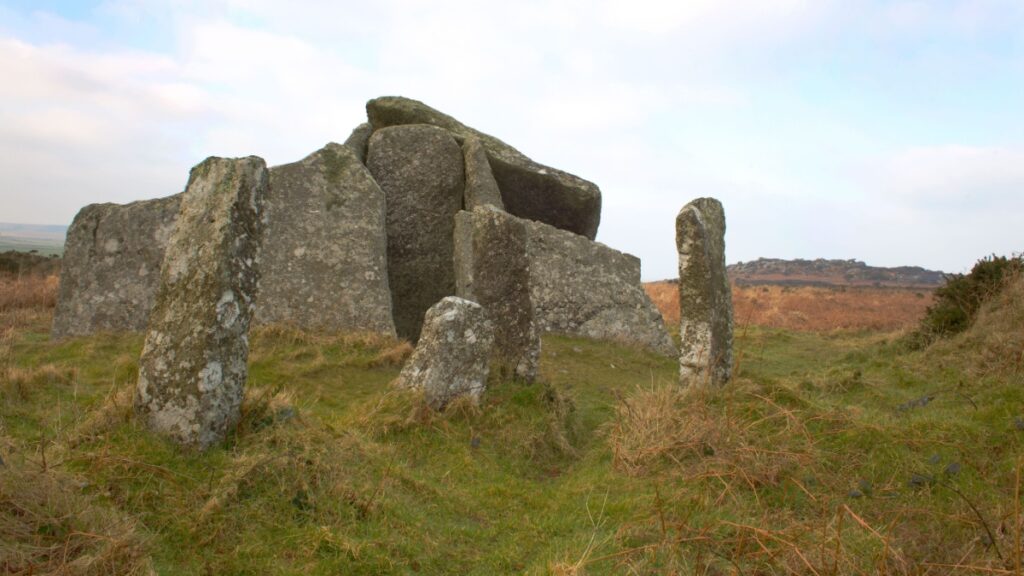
324 259
492 269
705 300
529 190
193 365
421 170
481 187
585 288
359 139
111 266
451 358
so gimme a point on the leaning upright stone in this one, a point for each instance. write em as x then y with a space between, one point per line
481 187
324 263
492 268
451 358
193 365
705 300
421 170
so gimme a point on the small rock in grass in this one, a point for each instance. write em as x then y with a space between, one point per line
865 486
953 469
935 459
1018 423
855 494
919 480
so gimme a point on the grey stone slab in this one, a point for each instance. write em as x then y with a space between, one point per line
421 170
481 187
111 266
193 368
359 139
452 356
705 299
324 263
492 268
584 288
529 189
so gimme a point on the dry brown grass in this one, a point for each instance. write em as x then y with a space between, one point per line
28 292
810 308
49 526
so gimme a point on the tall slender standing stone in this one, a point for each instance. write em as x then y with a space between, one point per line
705 300
492 268
421 170
193 365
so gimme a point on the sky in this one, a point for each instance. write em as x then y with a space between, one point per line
889 132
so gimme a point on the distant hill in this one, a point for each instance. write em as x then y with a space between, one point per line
825 273
43 238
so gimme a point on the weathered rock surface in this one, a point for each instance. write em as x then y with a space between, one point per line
705 301
451 358
324 259
528 189
585 288
481 187
359 139
421 170
193 365
492 269
111 266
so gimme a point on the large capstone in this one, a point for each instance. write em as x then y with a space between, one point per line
111 266
492 268
451 358
528 189
324 262
193 366
705 300
585 288
421 170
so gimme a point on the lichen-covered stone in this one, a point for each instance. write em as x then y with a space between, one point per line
705 300
481 187
193 366
111 266
359 139
528 189
451 358
324 260
492 268
585 288
421 170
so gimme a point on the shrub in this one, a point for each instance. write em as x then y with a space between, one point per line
957 302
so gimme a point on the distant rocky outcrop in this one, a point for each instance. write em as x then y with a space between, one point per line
825 273
193 365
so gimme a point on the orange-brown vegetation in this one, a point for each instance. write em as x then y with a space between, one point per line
30 291
809 307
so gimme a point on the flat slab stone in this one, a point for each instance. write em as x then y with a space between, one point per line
528 189
421 170
111 266
705 299
492 268
451 358
324 262
193 365
584 288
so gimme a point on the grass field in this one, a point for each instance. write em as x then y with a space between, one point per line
830 453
